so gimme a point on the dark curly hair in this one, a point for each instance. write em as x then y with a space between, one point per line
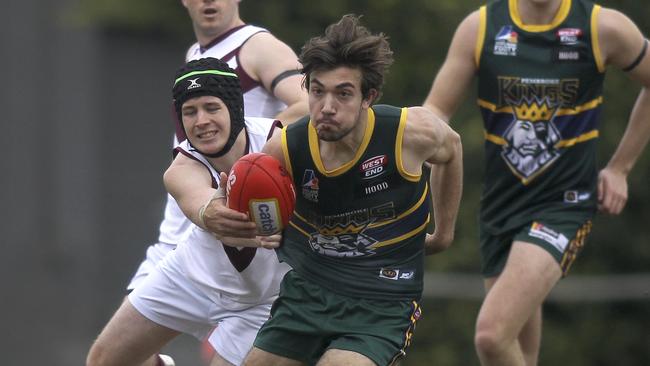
348 43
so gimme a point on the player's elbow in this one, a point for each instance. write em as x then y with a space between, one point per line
168 180
455 146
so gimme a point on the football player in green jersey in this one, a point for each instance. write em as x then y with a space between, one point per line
540 67
357 237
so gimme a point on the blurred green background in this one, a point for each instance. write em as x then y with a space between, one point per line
613 331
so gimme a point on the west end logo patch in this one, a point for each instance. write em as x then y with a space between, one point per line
373 167
569 36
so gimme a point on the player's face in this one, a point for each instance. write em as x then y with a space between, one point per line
206 121
212 17
336 102
524 138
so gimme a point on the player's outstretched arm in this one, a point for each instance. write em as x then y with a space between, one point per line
622 45
427 138
457 72
190 183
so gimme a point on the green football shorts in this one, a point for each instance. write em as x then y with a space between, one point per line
563 239
306 320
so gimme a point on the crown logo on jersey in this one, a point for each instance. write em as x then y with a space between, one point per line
341 229
534 111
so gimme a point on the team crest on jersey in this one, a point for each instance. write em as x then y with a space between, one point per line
340 241
505 42
310 186
531 139
347 234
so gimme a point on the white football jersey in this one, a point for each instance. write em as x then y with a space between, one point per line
257 103
243 275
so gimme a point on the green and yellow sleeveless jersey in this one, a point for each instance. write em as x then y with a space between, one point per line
540 94
359 229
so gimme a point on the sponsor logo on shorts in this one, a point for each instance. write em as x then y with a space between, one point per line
558 240
396 274
389 273
576 196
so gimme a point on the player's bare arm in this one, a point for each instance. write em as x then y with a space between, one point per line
276 66
273 147
456 74
622 46
190 184
429 138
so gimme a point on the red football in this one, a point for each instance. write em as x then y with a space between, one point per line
258 185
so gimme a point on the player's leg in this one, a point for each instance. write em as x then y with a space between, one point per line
336 357
233 338
529 275
530 336
217 360
259 357
128 339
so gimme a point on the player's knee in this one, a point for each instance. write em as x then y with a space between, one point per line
96 355
490 339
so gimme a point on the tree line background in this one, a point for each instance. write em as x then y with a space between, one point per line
576 333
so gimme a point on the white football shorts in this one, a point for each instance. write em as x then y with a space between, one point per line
168 298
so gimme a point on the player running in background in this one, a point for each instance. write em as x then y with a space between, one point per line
540 66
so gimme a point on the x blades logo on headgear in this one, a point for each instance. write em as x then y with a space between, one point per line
193 84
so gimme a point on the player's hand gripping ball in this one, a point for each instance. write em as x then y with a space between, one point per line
258 185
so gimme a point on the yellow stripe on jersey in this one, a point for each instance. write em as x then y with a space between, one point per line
285 151
415 206
403 237
315 148
407 212
562 143
582 138
480 37
560 112
399 139
297 227
595 44
495 138
561 14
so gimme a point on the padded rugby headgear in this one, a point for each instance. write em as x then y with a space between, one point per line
211 76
